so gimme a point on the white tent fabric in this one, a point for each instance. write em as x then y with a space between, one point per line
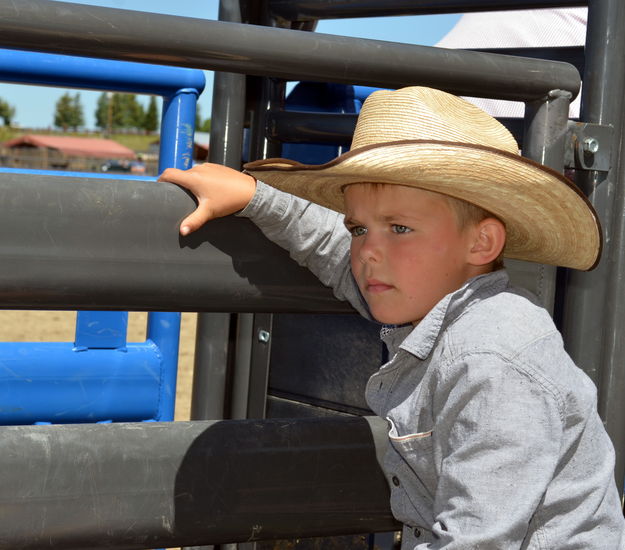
518 28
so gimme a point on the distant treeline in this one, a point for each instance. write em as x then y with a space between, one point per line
114 111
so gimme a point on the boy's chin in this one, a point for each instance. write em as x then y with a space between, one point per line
390 319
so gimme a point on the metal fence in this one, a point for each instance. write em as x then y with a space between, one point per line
231 281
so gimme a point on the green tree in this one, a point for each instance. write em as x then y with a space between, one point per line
118 115
127 111
205 126
150 120
102 111
79 115
119 111
201 125
7 112
69 112
198 117
136 112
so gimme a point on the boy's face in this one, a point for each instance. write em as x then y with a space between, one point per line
407 251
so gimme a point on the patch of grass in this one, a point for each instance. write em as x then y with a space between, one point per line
137 142
7 133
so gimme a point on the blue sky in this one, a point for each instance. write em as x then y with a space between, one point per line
35 105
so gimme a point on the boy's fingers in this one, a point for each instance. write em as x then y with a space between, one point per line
184 178
197 218
169 174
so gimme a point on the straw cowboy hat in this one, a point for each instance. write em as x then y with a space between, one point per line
426 138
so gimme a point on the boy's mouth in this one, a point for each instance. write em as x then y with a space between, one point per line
374 286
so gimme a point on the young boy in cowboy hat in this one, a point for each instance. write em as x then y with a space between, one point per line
495 440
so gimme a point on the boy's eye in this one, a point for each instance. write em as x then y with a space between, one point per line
400 229
357 230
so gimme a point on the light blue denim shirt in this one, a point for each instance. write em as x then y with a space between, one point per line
495 440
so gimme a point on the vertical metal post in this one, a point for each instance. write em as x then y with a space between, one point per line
250 375
594 307
242 365
175 150
164 331
248 394
211 366
178 121
210 378
612 375
210 375
259 373
544 140
250 388
269 94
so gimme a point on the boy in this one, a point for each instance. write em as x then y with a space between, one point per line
495 442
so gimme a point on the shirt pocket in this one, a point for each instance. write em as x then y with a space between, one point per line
417 457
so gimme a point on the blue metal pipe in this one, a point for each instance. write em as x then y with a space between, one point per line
79 385
164 333
101 330
100 377
179 87
45 69
104 176
178 125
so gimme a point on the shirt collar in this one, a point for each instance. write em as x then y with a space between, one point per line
422 338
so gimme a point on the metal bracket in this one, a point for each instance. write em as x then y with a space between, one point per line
589 146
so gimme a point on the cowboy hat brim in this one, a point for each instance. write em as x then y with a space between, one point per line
548 220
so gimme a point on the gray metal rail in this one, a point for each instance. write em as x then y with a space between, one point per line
113 244
154 485
137 486
594 304
42 25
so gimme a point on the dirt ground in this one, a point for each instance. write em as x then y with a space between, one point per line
59 326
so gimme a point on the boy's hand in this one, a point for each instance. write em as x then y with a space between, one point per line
219 190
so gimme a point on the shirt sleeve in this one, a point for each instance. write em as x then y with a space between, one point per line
314 236
496 443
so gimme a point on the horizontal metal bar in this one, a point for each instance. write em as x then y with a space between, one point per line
113 244
58 383
304 10
334 128
568 54
309 127
136 486
42 25
96 74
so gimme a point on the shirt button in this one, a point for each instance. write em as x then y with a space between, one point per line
395 481
417 532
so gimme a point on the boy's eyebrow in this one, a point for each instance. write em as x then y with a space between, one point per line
391 217
383 218
408 217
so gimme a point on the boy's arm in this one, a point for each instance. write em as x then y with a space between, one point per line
314 236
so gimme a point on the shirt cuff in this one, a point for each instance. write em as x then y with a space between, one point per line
268 204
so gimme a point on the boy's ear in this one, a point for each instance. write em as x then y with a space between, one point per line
490 238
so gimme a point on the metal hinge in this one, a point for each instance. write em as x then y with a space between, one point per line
589 146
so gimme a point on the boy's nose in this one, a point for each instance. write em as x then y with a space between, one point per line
369 251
